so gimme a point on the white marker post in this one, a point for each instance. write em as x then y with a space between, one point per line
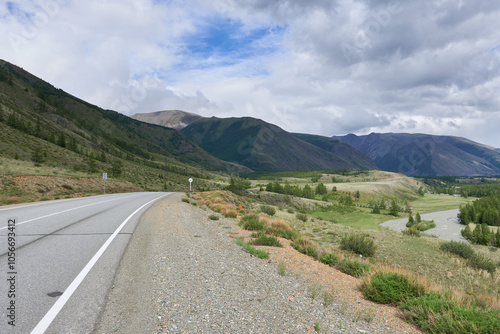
190 181
104 177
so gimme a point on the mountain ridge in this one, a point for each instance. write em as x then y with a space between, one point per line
263 146
427 155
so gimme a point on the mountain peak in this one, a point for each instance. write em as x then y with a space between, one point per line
176 119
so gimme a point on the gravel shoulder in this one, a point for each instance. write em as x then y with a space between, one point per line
182 273
447 225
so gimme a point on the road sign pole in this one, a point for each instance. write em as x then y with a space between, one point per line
190 181
104 177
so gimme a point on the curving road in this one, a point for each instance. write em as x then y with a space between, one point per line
65 258
447 225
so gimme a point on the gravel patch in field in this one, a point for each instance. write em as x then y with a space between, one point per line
447 225
182 274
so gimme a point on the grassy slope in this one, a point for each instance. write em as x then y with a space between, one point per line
34 115
421 256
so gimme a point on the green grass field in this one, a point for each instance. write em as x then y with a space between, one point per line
435 202
361 218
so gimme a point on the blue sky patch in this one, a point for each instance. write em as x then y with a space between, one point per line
16 11
229 41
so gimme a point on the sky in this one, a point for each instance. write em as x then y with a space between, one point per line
326 67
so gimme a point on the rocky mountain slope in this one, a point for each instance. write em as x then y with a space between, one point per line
175 119
427 155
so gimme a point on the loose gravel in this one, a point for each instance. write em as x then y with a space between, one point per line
182 273
447 225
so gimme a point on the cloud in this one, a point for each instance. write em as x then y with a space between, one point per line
319 66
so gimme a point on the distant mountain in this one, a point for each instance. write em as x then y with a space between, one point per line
46 126
427 155
339 148
175 119
265 147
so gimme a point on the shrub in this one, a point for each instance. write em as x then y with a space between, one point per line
280 230
185 200
459 248
269 210
359 243
353 268
435 314
480 261
305 246
411 231
213 217
425 225
329 259
265 240
252 223
231 214
391 288
301 216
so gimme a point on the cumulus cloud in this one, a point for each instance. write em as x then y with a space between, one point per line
320 66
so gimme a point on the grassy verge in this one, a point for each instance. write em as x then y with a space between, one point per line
252 250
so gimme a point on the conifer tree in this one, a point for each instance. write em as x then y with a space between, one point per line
394 210
411 221
466 232
476 234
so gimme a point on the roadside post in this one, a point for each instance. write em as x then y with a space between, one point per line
104 177
190 181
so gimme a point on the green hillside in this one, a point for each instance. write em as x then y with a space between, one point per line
340 148
265 147
49 128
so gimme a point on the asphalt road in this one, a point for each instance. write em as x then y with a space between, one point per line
66 254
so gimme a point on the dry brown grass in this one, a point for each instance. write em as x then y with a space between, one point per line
275 223
13 200
219 201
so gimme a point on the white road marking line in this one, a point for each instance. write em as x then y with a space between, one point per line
59 304
48 202
64 211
